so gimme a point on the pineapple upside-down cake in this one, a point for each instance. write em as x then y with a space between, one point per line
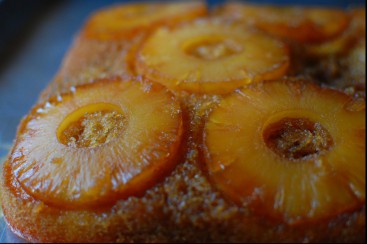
170 123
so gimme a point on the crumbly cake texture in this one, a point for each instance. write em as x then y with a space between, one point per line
184 203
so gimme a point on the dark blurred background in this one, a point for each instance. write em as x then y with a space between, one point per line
34 36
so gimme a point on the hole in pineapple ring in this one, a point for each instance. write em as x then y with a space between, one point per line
297 138
91 125
211 48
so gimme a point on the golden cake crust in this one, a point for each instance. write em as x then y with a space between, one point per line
185 205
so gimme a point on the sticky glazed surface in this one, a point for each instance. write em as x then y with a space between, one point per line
190 201
100 142
214 57
285 157
184 206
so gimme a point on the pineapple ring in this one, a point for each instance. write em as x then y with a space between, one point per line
141 151
210 56
306 25
344 42
329 179
336 46
119 22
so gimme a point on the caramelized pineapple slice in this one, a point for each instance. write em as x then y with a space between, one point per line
302 24
289 150
102 142
352 62
105 46
336 46
123 22
347 40
210 56
355 72
356 58
359 21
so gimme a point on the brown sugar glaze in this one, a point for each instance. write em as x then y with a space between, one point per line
183 207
